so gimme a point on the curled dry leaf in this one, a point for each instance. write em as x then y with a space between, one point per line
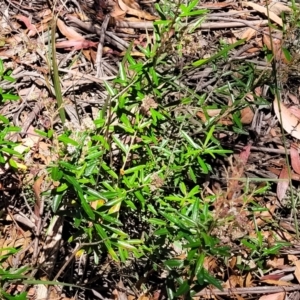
117 13
295 159
253 50
272 276
244 33
278 7
264 11
283 183
135 12
290 122
278 282
26 21
68 32
76 45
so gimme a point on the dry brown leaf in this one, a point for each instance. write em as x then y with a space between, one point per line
283 183
272 276
247 115
248 34
44 13
287 226
232 262
295 159
233 281
76 45
248 280
264 11
278 7
293 98
275 45
278 282
297 270
117 13
245 153
276 296
292 257
37 192
136 12
238 297
275 262
212 113
68 32
132 4
253 50
294 176
295 111
143 297
28 24
290 122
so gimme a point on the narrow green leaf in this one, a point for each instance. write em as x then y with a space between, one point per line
120 144
195 210
287 54
9 78
208 136
183 289
201 62
202 165
122 72
66 140
87 208
13 163
182 188
162 231
110 90
199 264
189 140
174 263
56 202
125 245
8 96
156 221
134 169
212 280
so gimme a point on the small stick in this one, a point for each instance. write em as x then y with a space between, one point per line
253 290
100 47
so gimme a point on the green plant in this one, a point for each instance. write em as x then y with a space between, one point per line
10 275
5 75
259 250
7 147
141 163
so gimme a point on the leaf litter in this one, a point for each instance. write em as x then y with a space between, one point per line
25 33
